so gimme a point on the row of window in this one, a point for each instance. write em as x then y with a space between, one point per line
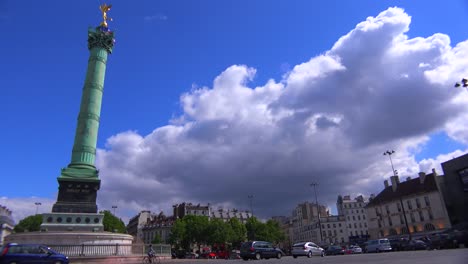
409 205
353 205
358 217
334 225
355 211
412 218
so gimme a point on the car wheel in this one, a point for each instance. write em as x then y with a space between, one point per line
322 254
309 254
278 256
377 251
258 256
294 256
245 259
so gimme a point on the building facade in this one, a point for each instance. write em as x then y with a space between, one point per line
183 209
334 230
355 216
305 222
136 224
225 215
159 226
413 208
6 223
456 180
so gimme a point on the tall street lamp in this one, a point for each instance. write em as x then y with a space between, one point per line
114 207
464 83
318 210
389 154
37 206
250 196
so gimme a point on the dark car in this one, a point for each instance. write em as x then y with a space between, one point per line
30 253
334 250
397 244
415 244
259 250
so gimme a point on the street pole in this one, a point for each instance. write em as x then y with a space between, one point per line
318 210
37 206
114 207
389 154
251 207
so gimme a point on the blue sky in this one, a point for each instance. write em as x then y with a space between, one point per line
175 88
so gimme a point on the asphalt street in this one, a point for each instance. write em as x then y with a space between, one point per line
449 256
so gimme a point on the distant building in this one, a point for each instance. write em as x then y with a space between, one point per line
225 215
334 230
355 216
6 223
415 206
456 182
305 222
158 226
183 209
136 224
286 226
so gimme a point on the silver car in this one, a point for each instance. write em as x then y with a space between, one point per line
378 245
308 249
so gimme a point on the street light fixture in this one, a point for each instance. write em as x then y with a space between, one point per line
37 206
114 207
250 196
464 83
395 173
318 210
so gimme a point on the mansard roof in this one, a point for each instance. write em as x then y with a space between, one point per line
407 188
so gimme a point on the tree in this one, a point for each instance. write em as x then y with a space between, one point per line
239 232
29 224
196 228
157 239
178 236
112 223
275 234
253 227
218 232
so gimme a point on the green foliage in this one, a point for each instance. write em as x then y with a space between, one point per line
269 231
218 232
157 239
178 235
239 232
112 223
198 229
29 224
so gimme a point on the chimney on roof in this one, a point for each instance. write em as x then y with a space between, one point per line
408 178
385 183
434 172
422 177
395 181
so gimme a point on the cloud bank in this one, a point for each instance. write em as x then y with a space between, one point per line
328 120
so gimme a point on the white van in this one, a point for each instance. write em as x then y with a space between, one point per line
378 245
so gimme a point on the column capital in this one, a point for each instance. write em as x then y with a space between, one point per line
101 37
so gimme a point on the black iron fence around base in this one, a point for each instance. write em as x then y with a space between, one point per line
81 250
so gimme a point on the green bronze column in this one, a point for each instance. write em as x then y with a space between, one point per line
79 182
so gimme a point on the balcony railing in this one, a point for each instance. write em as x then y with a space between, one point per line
111 250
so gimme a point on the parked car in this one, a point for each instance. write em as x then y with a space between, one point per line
308 249
334 250
397 244
378 245
31 253
353 249
259 250
415 244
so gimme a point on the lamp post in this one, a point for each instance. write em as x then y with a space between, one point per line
37 206
318 210
464 84
389 154
113 208
250 196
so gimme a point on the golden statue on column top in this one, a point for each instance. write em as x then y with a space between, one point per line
104 9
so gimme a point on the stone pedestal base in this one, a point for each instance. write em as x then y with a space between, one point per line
78 243
72 222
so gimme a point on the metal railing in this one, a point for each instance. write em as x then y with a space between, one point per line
163 250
